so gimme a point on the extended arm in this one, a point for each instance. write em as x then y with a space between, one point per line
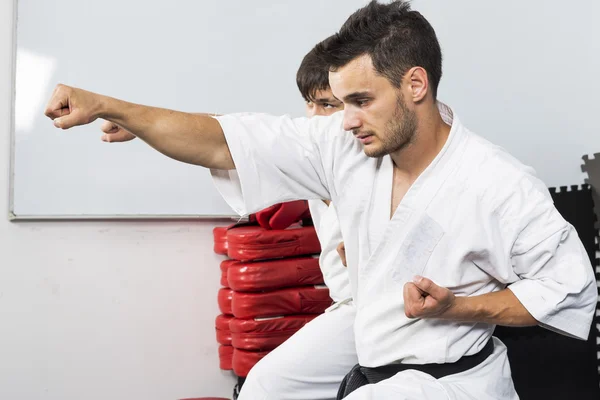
191 138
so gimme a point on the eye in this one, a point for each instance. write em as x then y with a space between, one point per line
328 105
362 102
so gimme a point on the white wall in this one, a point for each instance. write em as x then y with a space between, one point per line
103 310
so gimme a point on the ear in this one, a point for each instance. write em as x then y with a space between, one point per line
418 83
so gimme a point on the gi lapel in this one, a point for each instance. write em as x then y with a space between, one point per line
411 235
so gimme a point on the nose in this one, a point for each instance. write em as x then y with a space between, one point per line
351 120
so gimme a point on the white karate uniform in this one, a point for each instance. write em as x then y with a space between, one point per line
475 221
335 273
311 364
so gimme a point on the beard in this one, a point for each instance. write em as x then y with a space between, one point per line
399 131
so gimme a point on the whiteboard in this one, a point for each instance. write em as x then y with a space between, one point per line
197 56
523 74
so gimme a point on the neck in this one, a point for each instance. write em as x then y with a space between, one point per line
430 137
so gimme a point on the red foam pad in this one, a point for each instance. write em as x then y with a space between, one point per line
282 215
274 274
226 357
223 280
265 334
243 361
220 240
225 264
298 300
222 329
224 298
247 243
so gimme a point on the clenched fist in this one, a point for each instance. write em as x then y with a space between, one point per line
425 299
69 107
115 133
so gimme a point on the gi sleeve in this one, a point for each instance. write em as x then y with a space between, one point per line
556 280
277 159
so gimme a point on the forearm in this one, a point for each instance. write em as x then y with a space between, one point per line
191 138
499 308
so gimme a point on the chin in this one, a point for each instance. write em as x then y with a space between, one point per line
373 151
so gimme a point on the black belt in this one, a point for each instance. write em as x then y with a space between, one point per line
360 376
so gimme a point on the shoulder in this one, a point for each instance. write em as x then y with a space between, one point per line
511 193
497 175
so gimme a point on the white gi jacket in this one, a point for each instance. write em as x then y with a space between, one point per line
335 273
475 221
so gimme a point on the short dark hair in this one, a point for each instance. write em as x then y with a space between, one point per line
313 74
394 36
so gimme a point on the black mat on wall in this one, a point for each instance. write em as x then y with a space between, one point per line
544 364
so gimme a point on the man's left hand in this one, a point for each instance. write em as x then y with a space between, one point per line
114 133
425 299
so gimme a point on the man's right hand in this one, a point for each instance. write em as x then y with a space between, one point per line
114 133
69 107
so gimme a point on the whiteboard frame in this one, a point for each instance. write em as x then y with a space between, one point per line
11 191
141 217
13 93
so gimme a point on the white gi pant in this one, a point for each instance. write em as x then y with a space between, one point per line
311 364
474 384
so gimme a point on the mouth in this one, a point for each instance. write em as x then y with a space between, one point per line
365 138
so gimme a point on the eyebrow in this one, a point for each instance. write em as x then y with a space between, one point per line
326 100
355 96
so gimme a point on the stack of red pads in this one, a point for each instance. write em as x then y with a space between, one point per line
272 284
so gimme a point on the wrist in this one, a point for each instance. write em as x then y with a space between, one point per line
102 107
459 310
109 109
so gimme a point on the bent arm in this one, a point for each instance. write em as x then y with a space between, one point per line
425 299
498 308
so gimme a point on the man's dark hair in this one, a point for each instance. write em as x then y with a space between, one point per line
394 36
313 74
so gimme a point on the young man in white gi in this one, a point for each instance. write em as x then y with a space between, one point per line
446 234
331 334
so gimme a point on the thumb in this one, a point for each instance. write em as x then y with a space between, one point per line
427 286
69 120
120 135
109 127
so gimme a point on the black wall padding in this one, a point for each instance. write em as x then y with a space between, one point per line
544 364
